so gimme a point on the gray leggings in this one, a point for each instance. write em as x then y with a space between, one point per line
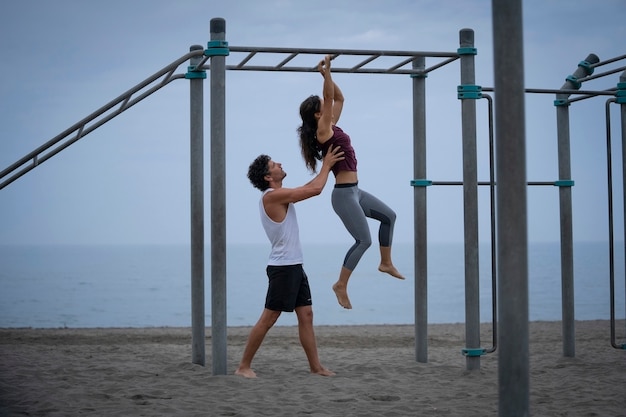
353 206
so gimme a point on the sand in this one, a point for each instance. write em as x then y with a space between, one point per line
149 372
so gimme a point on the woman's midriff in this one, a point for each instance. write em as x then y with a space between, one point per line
346 177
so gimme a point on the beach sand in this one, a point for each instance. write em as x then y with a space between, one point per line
148 372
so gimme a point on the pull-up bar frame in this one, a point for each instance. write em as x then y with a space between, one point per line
217 50
218 47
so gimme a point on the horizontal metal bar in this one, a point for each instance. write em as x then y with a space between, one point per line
321 51
459 183
314 69
602 74
608 61
483 183
609 92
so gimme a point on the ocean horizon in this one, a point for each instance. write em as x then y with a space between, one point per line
78 286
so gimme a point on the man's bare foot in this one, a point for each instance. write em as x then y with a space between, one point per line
245 372
342 295
391 270
323 372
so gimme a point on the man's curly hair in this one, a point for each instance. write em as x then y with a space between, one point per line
258 170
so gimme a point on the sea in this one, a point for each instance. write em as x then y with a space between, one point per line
90 286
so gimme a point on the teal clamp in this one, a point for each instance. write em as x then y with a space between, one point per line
561 102
620 94
192 73
422 75
474 352
421 183
564 183
467 50
469 91
572 79
217 48
587 66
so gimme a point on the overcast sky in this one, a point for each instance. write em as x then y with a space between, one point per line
128 182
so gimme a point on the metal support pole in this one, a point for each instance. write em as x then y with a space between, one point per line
420 206
609 186
197 214
470 204
622 105
567 255
511 204
218 202
565 204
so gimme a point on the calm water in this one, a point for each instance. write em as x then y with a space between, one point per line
145 286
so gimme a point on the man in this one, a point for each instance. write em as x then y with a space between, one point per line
288 288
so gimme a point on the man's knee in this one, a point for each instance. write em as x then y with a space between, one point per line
305 313
269 318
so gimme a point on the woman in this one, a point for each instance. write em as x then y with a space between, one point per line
318 133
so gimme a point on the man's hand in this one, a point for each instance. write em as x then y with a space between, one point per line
332 156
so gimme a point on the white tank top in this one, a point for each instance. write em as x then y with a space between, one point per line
284 236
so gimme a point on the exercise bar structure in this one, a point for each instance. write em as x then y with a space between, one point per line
511 254
289 60
212 58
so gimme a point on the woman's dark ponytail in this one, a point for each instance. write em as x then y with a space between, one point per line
308 132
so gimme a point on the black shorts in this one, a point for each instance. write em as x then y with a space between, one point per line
288 288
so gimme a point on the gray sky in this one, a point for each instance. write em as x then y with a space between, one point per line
128 182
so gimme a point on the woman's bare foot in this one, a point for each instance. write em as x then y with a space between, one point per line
323 372
391 270
245 372
342 295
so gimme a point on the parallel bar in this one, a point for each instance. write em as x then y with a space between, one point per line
608 61
409 56
602 74
98 117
